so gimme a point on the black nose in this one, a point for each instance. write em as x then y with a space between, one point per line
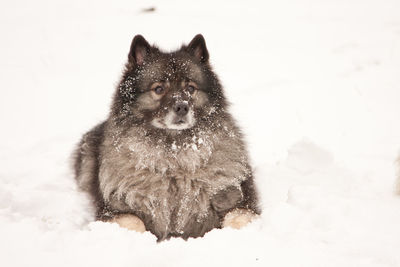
181 109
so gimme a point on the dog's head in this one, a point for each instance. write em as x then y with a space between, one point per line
171 91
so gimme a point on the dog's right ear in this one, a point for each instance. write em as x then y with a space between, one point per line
140 49
197 47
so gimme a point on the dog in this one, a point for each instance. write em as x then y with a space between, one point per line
169 158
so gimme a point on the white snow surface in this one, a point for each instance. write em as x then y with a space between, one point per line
315 86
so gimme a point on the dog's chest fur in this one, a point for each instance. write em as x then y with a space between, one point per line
170 183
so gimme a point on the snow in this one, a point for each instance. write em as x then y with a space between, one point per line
314 85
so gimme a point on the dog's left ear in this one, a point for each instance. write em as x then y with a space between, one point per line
197 47
139 51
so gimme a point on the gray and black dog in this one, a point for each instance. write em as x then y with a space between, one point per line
169 159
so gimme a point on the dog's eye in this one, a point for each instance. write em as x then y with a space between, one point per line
159 90
191 89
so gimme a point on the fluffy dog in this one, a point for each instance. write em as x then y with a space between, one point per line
169 158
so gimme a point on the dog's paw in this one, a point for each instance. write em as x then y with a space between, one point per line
238 218
130 222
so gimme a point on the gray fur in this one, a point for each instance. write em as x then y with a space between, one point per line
179 182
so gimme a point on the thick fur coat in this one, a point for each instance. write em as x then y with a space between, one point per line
169 152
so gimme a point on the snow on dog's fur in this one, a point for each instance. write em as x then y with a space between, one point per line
169 154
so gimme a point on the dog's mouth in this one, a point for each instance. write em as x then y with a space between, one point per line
180 121
175 122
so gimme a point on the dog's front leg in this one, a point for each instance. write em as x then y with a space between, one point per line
238 218
129 221
228 199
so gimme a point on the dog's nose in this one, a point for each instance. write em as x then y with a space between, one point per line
181 108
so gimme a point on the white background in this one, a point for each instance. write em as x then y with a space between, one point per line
315 86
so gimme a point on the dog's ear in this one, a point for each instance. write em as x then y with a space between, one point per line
140 49
197 47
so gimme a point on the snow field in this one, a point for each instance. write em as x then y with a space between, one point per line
314 85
